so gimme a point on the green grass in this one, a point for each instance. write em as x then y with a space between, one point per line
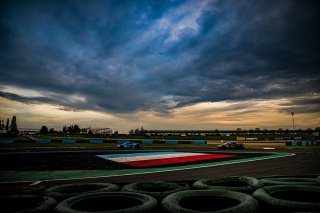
58 145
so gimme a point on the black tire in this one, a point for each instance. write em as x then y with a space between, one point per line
292 176
112 202
157 189
289 198
233 183
61 192
27 203
22 190
290 181
220 201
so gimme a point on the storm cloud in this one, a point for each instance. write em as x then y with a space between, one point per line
128 56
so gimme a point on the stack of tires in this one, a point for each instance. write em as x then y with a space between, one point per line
238 194
229 194
134 197
248 194
289 194
25 199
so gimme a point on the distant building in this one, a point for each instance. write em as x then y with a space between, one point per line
98 131
28 131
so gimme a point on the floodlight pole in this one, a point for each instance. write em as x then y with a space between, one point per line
294 128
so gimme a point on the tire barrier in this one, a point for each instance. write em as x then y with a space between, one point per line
302 143
61 192
304 196
22 190
291 176
112 202
233 183
290 181
217 200
43 141
184 184
100 141
147 142
6 141
27 203
158 189
171 142
289 198
96 141
68 141
198 142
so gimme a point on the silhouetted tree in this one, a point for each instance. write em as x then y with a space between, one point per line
142 131
7 125
44 130
13 126
65 129
70 129
51 130
76 129
136 131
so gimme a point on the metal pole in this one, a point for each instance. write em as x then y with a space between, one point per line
294 128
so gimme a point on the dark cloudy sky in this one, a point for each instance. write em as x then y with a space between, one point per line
193 64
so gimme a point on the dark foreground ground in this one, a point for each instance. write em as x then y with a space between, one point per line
305 163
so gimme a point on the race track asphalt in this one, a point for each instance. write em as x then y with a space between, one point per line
304 162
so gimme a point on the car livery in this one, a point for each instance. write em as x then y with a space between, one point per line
129 145
231 145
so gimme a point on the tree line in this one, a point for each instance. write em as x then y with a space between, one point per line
138 131
72 130
11 128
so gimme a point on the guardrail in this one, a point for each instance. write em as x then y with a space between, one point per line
145 142
100 141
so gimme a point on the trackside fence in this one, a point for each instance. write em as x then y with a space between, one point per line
145 141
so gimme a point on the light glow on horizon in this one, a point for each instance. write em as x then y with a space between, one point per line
203 116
